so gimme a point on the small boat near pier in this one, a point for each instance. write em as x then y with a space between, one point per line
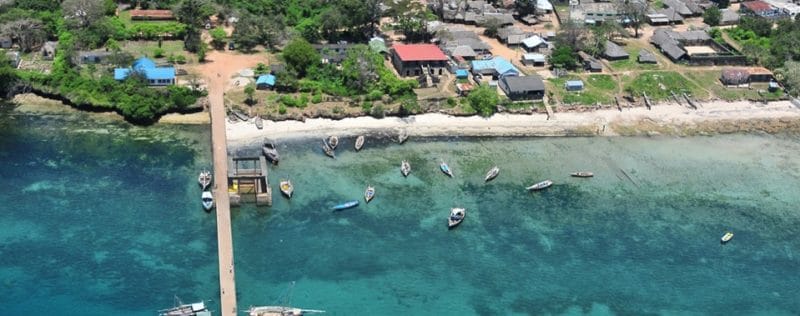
582 174
491 174
287 188
204 179
405 168
280 311
180 309
328 150
345 205
333 141
208 200
457 215
359 142
369 194
270 152
540 186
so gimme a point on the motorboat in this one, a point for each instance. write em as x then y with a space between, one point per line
271 152
208 200
287 188
359 142
204 179
726 238
279 311
333 141
405 168
369 194
491 174
540 186
328 150
180 309
446 169
345 205
457 215
582 174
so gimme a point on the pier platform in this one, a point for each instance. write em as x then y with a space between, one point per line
248 181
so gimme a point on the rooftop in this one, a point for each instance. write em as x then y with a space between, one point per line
757 6
524 83
419 52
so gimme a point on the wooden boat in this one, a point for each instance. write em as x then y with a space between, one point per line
241 116
271 152
405 168
491 174
180 309
369 194
582 174
333 141
204 179
345 205
726 238
279 311
328 150
208 200
457 215
446 169
287 188
541 185
359 142
259 122
402 137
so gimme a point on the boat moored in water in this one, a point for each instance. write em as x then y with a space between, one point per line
726 238
204 179
180 309
457 215
369 194
491 174
333 141
270 152
540 186
280 311
328 150
582 174
359 142
208 200
287 188
446 169
405 168
345 205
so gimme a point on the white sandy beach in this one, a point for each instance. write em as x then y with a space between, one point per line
597 122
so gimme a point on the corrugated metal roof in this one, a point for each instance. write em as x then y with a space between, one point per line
266 79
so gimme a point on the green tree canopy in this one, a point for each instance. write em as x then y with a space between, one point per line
712 16
564 57
484 99
300 56
218 37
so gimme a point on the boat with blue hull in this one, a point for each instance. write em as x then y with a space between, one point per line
345 205
446 169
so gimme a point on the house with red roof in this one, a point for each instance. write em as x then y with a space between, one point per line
414 59
759 8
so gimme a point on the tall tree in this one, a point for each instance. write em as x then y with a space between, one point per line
484 99
635 11
218 37
83 13
525 7
300 56
27 33
247 34
194 14
360 68
790 74
712 16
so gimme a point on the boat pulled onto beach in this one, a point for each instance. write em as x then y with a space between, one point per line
402 137
208 200
491 174
726 238
457 215
280 311
287 188
180 309
270 151
405 168
582 174
333 141
540 186
369 194
328 150
345 205
446 169
204 179
359 143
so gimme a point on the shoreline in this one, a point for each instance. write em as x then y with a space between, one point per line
663 119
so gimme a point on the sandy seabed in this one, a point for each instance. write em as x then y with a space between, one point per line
661 119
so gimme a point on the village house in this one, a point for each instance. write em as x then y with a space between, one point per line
534 43
264 82
454 37
664 16
646 57
728 17
6 42
497 67
511 35
13 59
740 76
93 57
332 53
594 12
523 88
761 9
378 45
533 59
589 63
695 48
152 15
155 76
614 52
414 59
573 85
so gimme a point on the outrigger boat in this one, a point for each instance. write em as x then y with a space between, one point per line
540 186
328 150
582 174
726 238
287 188
402 137
345 205
208 200
446 169
359 142
333 141
280 311
204 179
457 215
491 174
369 193
405 168
180 309
271 152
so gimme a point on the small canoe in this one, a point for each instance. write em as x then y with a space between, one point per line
369 194
287 188
540 186
582 174
204 179
333 141
491 174
259 122
328 150
402 137
359 142
345 205
446 169
208 200
457 215
270 151
405 168
726 238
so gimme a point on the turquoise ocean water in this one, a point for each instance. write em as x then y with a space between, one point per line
100 218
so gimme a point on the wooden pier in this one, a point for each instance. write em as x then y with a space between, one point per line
248 181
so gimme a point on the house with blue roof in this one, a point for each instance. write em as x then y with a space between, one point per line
497 67
265 82
155 76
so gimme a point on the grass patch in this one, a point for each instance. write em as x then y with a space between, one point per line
658 84
710 80
601 82
632 63
146 48
597 89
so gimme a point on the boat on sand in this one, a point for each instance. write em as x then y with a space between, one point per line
491 174
405 168
180 309
204 179
208 200
540 186
328 150
259 122
446 169
582 174
359 142
457 215
369 194
345 205
287 188
402 137
280 311
333 141
726 238
270 151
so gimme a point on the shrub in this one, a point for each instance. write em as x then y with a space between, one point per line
377 111
180 59
158 52
316 98
451 102
375 95
337 110
366 106
282 109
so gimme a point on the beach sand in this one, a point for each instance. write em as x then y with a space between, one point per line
662 119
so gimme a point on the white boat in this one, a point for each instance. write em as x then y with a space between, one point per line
180 309
369 194
446 169
541 185
405 168
333 141
204 179
280 311
491 174
727 237
287 188
582 174
359 142
208 200
328 150
457 215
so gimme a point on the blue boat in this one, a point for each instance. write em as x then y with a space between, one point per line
446 169
345 205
